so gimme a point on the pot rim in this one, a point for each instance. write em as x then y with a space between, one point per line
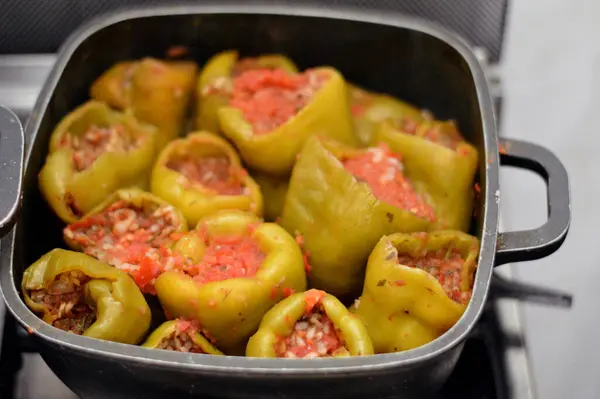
252 367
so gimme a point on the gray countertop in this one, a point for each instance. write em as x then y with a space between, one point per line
551 77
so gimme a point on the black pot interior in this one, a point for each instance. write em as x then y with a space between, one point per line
414 66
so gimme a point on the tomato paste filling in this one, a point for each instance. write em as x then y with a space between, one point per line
314 335
214 173
180 340
96 141
128 237
64 301
382 171
270 97
445 265
442 134
226 258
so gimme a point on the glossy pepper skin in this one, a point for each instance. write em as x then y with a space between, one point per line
122 314
369 109
405 307
215 83
279 322
231 310
274 191
274 153
195 200
61 183
168 328
339 218
445 174
156 92
136 197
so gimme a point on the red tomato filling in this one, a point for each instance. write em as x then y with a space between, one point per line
180 340
226 258
129 238
382 171
359 101
214 173
313 336
65 303
445 265
94 142
270 97
443 135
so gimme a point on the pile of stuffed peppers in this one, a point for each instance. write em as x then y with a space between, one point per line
249 207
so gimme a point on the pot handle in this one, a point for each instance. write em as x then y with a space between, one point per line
517 246
11 168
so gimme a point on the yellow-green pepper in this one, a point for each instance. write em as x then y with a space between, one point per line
231 310
156 92
215 83
122 314
72 193
274 191
274 153
192 198
368 109
339 217
280 320
405 307
171 328
444 172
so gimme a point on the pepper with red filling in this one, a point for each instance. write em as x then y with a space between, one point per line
271 113
93 152
201 174
130 231
309 325
236 269
417 286
342 200
181 335
442 163
214 85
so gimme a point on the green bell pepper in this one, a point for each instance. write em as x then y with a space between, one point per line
231 309
274 153
72 192
368 109
121 312
215 82
279 322
193 198
339 217
274 191
182 329
440 162
403 306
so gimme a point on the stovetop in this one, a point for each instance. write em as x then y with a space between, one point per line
493 365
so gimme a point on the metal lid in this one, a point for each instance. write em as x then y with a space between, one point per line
42 26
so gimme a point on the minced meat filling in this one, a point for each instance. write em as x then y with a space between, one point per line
445 265
95 142
382 171
270 97
65 303
214 173
449 138
181 339
313 336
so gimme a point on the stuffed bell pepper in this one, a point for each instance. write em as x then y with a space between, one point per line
84 296
271 113
237 268
131 230
157 92
341 200
274 191
201 174
181 335
93 152
309 325
214 85
441 162
417 286
368 109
